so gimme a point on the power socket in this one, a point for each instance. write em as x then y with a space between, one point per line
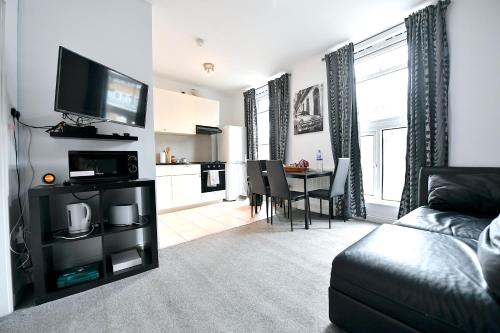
14 113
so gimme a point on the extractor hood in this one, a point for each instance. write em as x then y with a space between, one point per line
201 129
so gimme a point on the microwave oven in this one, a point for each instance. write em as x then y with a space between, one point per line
96 166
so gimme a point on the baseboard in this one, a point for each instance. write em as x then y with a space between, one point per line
176 209
379 219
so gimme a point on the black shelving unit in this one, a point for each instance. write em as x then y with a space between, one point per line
51 256
58 135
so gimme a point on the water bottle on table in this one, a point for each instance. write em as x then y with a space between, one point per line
319 160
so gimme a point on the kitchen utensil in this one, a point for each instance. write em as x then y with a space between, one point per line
122 215
78 217
169 155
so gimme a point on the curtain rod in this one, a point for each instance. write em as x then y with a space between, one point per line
364 40
289 74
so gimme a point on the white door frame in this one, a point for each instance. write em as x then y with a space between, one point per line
6 295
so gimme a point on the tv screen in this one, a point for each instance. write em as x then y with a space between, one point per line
88 89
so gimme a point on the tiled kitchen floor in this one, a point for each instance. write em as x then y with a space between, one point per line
185 225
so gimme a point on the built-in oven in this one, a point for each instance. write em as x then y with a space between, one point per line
213 177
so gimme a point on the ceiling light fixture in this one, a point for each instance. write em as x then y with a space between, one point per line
209 68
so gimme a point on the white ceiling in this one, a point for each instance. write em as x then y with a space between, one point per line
251 40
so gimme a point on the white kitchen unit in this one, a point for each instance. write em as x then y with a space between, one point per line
213 196
206 111
186 190
163 192
180 113
177 186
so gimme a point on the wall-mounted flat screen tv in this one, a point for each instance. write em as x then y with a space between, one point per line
86 88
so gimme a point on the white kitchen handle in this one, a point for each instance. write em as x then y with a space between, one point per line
88 214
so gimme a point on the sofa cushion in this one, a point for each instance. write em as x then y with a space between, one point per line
475 194
426 280
489 255
449 223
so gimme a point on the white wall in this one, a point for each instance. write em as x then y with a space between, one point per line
474 106
309 72
193 147
312 71
9 99
235 109
11 51
116 33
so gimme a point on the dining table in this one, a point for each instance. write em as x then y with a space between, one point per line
305 176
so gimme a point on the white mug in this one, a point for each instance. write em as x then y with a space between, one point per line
78 217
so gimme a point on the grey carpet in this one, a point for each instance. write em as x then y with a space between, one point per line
255 278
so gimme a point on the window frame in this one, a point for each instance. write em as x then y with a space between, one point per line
382 158
386 41
376 129
375 161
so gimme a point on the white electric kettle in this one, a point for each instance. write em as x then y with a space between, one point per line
78 217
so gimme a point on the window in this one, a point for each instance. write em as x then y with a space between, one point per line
393 162
262 100
381 93
367 146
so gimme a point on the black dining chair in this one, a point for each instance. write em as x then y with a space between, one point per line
279 187
337 188
257 185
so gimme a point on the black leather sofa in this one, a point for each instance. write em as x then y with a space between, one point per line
420 274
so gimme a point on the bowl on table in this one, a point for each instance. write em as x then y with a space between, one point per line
293 168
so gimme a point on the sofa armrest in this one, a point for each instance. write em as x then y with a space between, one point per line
425 173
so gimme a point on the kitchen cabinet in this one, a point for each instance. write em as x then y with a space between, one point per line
186 190
177 169
180 113
164 192
177 186
206 112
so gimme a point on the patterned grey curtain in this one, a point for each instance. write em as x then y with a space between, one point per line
251 123
342 111
279 111
428 77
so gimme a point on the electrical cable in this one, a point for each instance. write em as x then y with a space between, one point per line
16 147
142 220
20 221
14 228
26 228
84 199
58 236
83 121
67 116
79 121
31 126
20 185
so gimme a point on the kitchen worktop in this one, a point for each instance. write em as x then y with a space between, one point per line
190 163
178 163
